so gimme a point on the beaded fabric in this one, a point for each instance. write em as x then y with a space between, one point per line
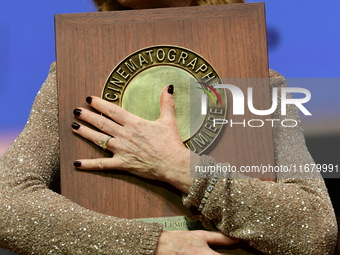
36 220
293 215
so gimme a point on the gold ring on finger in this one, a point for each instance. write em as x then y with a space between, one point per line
103 144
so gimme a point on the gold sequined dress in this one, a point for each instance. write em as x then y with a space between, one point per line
291 216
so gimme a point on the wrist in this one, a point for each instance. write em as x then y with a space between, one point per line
179 172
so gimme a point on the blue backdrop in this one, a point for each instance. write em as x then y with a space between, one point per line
303 40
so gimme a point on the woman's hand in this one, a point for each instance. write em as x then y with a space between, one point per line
191 242
150 149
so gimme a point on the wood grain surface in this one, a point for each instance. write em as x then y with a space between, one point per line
89 45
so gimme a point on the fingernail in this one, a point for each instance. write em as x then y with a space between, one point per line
77 112
171 89
89 100
75 126
77 163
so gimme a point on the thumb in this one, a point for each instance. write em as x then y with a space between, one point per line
167 105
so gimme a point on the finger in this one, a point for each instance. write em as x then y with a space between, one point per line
96 137
216 238
111 110
97 164
167 106
102 123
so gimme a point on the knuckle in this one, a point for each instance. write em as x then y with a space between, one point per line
139 125
112 111
102 123
170 102
100 164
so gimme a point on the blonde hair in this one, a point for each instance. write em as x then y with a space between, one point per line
112 5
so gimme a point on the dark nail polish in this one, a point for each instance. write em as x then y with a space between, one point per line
75 126
77 112
171 89
89 100
77 163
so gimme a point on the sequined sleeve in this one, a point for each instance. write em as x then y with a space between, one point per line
34 219
293 215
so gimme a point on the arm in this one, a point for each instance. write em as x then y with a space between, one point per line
33 219
291 216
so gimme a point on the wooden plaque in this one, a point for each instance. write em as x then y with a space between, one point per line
89 45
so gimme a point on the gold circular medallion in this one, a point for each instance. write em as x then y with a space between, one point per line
135 84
